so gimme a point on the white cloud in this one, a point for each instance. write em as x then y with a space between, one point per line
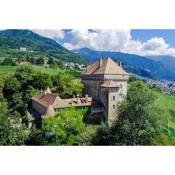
153 46
104 40
53 34
118 40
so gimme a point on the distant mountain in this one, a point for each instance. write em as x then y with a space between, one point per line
140 65
12 40
167 61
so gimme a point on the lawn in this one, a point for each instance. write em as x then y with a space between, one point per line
50 71
7 69
166 105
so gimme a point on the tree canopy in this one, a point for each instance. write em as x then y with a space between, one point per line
63 128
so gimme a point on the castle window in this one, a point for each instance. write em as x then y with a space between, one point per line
113 106
113 97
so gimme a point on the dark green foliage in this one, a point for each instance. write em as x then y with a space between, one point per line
36 45
19 88
8 62
11 86
137 123
40 61
66 86
35 137
87 135
104 136
42 81
24 74
12 131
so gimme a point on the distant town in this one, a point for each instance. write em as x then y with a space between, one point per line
166 86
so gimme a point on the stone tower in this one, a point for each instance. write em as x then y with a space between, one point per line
106 81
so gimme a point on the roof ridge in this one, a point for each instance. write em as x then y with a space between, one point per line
106 63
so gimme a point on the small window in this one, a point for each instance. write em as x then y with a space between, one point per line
113 106
113 97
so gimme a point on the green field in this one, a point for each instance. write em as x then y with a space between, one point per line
166 105
7 69
50 71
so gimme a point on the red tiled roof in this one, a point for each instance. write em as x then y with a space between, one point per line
63 103
105 66
45 99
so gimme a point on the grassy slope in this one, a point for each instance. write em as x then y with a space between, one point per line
7 69
50 71
166 105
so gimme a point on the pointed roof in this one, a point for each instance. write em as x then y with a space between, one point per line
45 98
105 66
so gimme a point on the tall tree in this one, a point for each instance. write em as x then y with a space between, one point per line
137 123
12 131
67 86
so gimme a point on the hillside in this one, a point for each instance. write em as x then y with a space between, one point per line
132 63
36 46
168 61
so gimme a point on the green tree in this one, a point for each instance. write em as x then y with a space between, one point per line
12 131
11 86
18 89
87 135
63 128
24 74
137 123
35 136
103 136
4 124
67 86
40 61
7 62
42 81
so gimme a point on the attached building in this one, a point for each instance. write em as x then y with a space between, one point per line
105 85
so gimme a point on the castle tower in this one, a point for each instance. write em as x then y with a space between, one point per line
106 81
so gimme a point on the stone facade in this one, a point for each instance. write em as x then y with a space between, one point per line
106 81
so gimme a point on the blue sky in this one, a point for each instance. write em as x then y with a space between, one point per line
135 41
143 35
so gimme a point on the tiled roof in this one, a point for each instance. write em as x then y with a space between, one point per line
105 66
63 103
48 99
110 83
45 99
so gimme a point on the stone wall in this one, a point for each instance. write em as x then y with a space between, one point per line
38 107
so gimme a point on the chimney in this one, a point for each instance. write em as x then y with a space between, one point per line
119 63
78 100
100 62
86 98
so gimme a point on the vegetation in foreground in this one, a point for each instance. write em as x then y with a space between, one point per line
146 117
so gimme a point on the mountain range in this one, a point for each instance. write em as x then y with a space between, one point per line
38 46
159 67
155 67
